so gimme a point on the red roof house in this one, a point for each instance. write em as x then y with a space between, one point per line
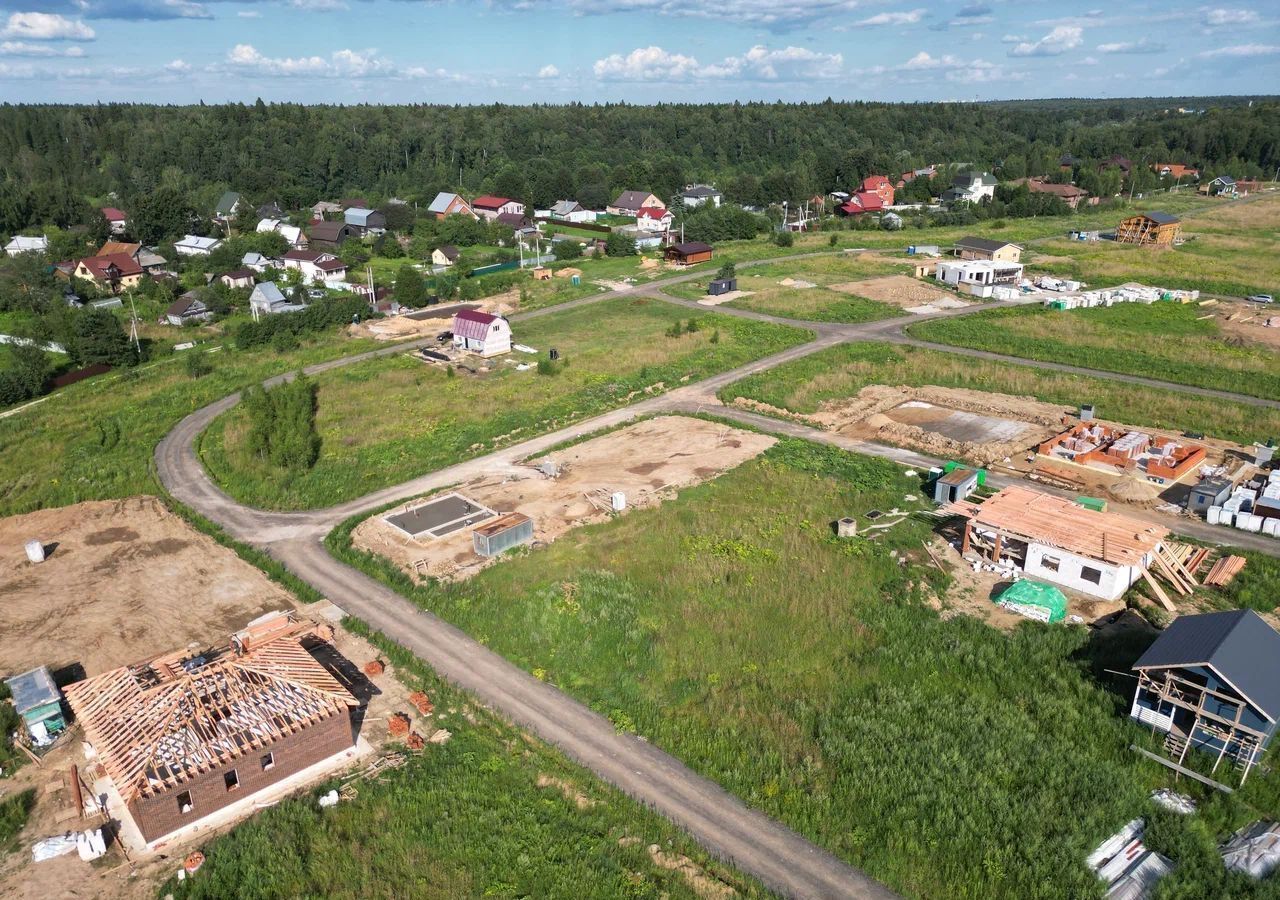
862 202
482 333
880 186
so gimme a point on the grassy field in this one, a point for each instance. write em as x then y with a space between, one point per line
1235 250
388 420
94 440
807 675
1164 340
803 385
817 304
464 819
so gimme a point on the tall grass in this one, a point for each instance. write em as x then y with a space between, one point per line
14 811
1164 341
462 819
803 385
387 420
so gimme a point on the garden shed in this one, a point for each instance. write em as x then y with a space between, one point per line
37 699
689 253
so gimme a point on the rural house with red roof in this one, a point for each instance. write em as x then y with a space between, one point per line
880 186
118 221
113 272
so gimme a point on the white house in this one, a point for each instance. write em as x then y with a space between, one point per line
978 277
292 234
570 211
258 262
316 267
481 333
490 207
971 187
21 244
193 245
445 255
187 308
118 221
698 194
654 219
629 203
267 299
1101 554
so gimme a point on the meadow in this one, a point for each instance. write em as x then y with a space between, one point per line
803 385
810 676
1166 341
387 420
463 819
815 304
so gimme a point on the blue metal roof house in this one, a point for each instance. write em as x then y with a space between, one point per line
1212 682
369 221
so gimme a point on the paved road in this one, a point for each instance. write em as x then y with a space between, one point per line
780 858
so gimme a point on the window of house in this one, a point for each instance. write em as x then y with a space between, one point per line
184 802
1093 576
231 780
1050 563
268 761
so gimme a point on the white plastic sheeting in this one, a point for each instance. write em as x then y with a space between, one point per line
1126 865
53 847
1254 850
1173 801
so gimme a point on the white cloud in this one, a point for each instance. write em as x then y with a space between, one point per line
1139 46
1241 50
767 13
249 14
758 63
319 5
339 64
1058 41
548 71
1013 39
35 26
1223 18
22 48
909 17
177 65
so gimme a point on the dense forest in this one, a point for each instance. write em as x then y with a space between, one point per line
55 159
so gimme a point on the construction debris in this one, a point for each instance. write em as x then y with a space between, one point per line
398 725
414 741
422 703
1254 850
1173 801
374 667
1129 869
193 862
1225 570
440 736
329 799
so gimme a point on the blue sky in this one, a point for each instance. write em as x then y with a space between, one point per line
524 51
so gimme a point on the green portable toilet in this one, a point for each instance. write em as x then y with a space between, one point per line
1035 600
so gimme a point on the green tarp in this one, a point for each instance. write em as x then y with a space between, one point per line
1038 601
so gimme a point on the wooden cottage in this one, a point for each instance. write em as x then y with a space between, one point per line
1212 682
689 253
1154 229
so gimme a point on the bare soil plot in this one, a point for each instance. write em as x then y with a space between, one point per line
1250 324
726 297
647 462
126 580
900 290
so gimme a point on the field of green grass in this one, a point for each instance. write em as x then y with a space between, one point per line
14 810
1167 341
462 819
809 676
94 440
816 304
803 385
388 420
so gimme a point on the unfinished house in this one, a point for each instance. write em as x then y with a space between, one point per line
979 277
1101 554
184 735
1212 682
993 251
481 333
1154 229
1162 460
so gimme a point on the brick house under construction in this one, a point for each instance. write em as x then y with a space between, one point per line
1155 229
1159 459
184 736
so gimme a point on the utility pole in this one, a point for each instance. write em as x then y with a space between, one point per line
133 326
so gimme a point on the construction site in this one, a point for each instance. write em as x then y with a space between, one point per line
634 467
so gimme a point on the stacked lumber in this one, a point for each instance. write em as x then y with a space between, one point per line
1225 570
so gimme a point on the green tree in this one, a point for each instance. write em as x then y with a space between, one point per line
411 290
619 245
160 215
98 337
569 249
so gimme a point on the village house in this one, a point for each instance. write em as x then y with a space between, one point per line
481 333
1153 229
1067 193
324 209
696 195
114 272
450 204
258 262
1176 171
194 245
144 256
1212 682
861 202
292 234
1162 460
240 278
366 221
1123 163
272 210
981 248
971 187
629 203
268 299
880 186
316 266
1101 554
1223 185
118 221
22 244
1068 163
653 219
185 735
907 177
445 255
978 277
187 308
490 207
518 221
228 206
689 253
570 211
330 235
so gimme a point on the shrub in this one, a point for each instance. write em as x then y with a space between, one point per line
784 239
569 249
198 364
282 424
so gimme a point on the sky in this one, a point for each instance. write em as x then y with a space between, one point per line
640 51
